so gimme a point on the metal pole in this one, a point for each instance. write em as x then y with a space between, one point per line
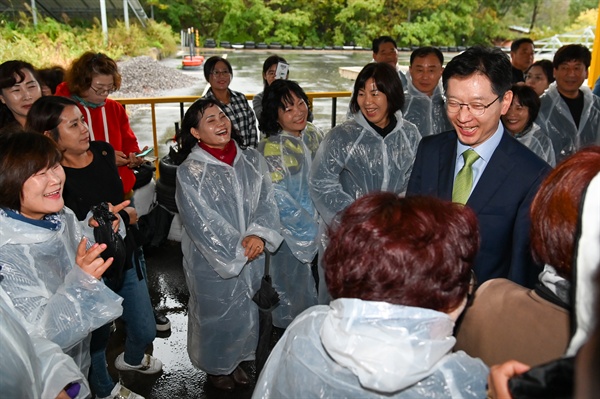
34 12
103 19
126 13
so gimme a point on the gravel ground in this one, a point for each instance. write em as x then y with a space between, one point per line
145 77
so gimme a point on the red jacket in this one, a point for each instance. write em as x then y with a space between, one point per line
109 123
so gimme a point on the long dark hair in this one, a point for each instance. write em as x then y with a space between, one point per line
185 140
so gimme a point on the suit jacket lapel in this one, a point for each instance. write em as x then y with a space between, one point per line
497 170
446 167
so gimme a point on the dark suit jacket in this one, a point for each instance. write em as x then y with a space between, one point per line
501 200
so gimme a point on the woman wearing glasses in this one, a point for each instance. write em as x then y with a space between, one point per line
218 72
89 81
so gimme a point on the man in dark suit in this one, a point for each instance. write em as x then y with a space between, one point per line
481 165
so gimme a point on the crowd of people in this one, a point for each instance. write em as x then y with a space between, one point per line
448 226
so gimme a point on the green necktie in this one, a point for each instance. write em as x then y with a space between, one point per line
464 179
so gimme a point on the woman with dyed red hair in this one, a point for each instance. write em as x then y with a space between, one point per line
399 270
507 321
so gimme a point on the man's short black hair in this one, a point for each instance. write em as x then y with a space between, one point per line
572 52
381 40
514 47
488 61
424 52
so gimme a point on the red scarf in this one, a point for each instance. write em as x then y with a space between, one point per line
226 155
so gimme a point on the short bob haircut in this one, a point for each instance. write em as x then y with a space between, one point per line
23 154
185 140
547 68
490 62
414 251
387 81
45 114
424 52
269 62
209 66
527 97
8 70
555 209
82 71
276 97
572 52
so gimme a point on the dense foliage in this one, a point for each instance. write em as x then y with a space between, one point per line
295 22
341 22
55 43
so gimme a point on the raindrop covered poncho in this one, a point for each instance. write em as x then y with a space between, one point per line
219 206
54 297
365 349
289 159
556 121
427 113
354 160
539 143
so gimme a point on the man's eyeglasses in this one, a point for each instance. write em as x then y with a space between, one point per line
102 91
476 109
220 73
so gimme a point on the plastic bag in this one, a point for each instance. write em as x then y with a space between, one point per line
115 246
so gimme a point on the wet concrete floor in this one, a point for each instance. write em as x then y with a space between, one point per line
179 379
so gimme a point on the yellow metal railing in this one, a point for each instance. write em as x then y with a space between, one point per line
182 100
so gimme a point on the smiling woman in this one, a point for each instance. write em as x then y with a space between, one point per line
85 161
89 81
227 206
50 269
19 88
373 151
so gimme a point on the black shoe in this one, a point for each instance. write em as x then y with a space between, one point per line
222 382
240 377
162 322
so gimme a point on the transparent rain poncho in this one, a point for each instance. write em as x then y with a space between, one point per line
539 143
219 206
54 297
365 349
289 159
427 113
556 121
354 160
33 367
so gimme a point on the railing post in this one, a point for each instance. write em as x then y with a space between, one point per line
333 111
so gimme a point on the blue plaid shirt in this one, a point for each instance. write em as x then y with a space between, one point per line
241 115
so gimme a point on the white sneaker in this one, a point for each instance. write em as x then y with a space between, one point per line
120 392
149 365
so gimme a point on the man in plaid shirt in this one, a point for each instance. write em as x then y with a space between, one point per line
218 72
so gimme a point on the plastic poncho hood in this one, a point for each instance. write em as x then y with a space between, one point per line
364 349
387 354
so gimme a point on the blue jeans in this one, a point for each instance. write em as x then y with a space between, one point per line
140 328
